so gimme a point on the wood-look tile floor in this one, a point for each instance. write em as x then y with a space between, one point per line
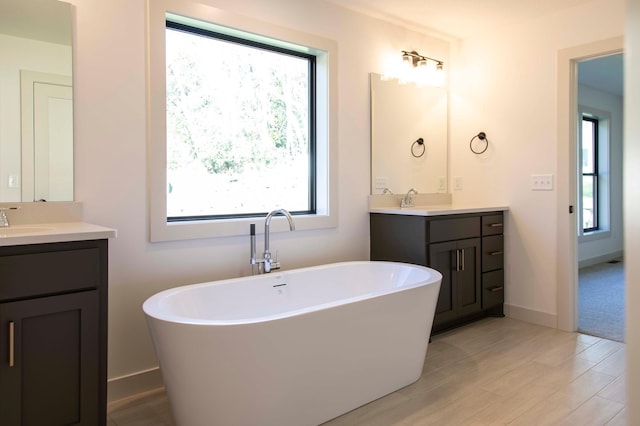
496 371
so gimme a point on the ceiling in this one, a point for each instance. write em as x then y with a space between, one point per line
458 19
605 74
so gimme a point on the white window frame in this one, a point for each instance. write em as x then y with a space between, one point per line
604 174
326 52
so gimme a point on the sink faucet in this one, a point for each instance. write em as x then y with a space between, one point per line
4 220
407 201
265 264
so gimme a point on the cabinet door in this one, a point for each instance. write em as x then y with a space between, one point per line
460 291
468 277
42 377
442 258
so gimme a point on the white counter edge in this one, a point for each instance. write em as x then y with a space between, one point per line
57 232
437 210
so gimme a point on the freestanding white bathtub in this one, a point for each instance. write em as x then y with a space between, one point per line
292 348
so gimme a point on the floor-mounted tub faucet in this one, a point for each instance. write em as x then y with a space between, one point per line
407 201
266 265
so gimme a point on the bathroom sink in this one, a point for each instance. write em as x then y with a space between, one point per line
13 231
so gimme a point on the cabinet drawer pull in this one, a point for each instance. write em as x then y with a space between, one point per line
457 260
11 343
495 253
462 259
494 289
495 225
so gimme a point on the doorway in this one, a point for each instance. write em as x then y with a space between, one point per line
567 193
600 301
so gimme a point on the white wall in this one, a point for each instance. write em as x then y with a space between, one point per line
111 175
21 54
504 82
632 206
601 249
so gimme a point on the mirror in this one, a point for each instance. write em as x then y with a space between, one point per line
408 137
36 106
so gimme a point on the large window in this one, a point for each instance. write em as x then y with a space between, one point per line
240 126
590 185
242 120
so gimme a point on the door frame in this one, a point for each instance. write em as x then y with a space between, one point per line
567 236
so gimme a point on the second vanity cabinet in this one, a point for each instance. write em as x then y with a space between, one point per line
467 249
53 333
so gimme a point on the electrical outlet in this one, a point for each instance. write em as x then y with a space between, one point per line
13 181
542 182
441 184
381 182
457 183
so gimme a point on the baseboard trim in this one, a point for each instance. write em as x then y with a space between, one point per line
600 259
132 384
531 315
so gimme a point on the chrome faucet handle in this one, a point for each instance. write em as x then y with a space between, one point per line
275 264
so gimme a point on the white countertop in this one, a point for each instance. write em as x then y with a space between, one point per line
39 233
436 210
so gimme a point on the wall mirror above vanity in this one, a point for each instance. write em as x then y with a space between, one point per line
36 106
409 143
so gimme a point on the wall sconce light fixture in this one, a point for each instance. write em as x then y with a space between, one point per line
422 69
415 59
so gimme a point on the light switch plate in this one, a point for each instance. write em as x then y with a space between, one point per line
13 181
457 183
381 182
542 182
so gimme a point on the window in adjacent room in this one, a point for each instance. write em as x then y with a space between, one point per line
589 195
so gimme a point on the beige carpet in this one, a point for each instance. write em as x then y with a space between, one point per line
601 300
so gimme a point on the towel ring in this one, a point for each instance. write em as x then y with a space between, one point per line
482 136
419 142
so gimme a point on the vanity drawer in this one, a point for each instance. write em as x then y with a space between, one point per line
492 224
492 289
454 229
27 275
492 253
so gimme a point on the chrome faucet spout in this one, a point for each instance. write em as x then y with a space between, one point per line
407 201
266 264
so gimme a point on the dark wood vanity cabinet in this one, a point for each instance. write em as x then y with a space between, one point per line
467 249
53 333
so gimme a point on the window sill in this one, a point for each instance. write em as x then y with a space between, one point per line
594 235
176 231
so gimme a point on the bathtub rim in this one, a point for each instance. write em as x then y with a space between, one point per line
153 310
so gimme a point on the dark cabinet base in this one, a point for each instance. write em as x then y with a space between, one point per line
467 249
53 334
